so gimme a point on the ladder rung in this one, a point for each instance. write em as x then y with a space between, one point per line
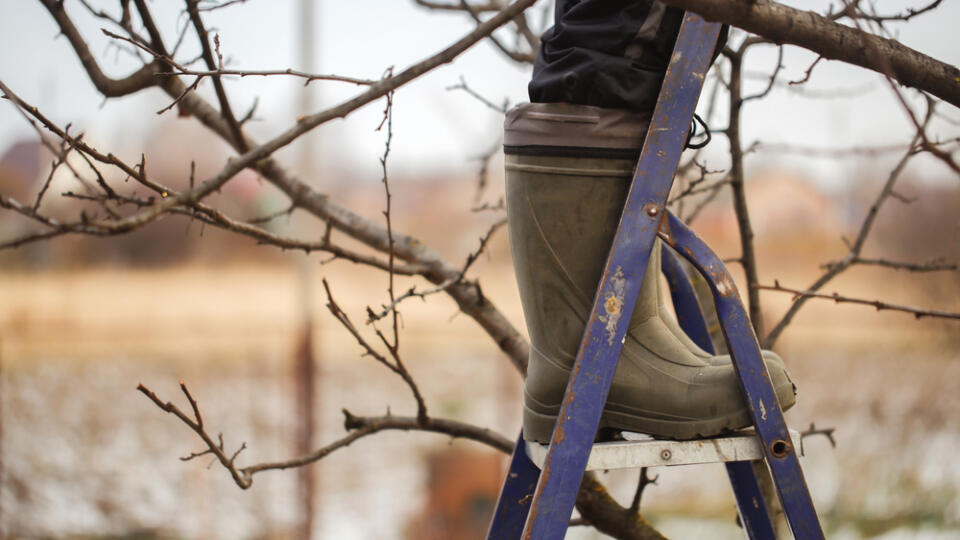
641 450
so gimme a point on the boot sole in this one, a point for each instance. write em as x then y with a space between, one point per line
538 427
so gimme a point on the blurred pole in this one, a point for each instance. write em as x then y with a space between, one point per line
305 376
305 364
259 385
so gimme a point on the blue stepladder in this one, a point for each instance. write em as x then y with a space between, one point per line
537 500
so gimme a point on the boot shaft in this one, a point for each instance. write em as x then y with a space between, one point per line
564 200
568 170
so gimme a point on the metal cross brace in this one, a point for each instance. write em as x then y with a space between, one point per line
779 452
754 515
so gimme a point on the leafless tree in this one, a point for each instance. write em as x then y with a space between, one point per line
853 33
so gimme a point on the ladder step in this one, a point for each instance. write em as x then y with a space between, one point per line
641 450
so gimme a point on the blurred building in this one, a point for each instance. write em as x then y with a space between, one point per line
462 488
20 168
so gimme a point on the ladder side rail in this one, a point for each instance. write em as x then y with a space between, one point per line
746 488
600 347
751 506
514 500
751 370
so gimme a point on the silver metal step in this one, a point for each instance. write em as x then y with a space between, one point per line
641 450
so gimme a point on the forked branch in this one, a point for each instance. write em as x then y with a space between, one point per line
358 427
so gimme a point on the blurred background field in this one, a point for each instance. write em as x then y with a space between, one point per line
85 455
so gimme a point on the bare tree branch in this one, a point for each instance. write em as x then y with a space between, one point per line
397 366
516 56
807 72
308 77
934 265
748 258
468 298
62 156
207 213
837 153
523 29
855 248
412 292
196 424
357 426
644 481
880 305
607 516
703 203
213 6
851 10
782 24
890 76
140 79
225 108
462 85
697 185
814 431
442 6
772 81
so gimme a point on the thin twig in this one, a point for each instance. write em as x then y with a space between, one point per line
273 215
644 481
397 366
934 265
215 6
241 478
309 77
412 292
216 64
462 85
773 78
835 153
918 313
826 432
807 73
703 203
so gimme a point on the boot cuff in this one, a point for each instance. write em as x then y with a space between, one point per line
575 130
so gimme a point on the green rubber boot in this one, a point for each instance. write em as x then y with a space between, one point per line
564 199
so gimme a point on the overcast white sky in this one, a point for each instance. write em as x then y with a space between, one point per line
435 130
